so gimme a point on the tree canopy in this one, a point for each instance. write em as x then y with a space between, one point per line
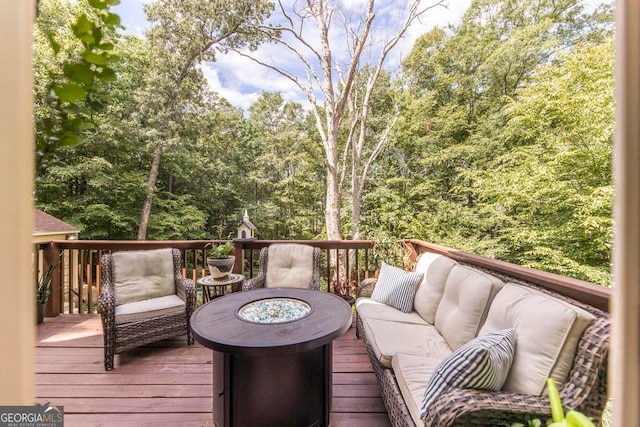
501 141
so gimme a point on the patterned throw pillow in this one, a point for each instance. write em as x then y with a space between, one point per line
483 363
396 287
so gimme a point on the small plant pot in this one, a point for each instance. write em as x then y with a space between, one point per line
39 313
220 268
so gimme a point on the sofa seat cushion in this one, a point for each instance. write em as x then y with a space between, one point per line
548 332
370 309
387 338
148 309
435 269
483 364
412 374
396 287
468 294
142 275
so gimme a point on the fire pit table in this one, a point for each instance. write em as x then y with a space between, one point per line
272 355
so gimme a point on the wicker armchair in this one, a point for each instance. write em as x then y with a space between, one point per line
287 265
144 299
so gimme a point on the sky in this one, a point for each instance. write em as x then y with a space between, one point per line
241 81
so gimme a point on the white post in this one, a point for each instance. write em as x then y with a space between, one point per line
17 288
625 351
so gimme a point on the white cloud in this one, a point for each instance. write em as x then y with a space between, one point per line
241 81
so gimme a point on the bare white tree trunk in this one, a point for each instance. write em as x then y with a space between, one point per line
336 78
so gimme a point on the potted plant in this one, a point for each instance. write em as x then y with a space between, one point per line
220 260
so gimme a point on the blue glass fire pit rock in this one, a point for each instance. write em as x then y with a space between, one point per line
274 310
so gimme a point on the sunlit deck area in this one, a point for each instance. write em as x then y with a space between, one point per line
169 383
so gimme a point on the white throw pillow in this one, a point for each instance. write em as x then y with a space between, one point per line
483 363
396 287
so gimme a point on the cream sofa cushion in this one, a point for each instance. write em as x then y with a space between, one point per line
435 269
467 297
370 309
548 332
387 338
290 265
141 275
149 309
412 374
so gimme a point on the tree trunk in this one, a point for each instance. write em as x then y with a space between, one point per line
332 207
151 186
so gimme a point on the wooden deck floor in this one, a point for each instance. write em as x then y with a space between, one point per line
169 383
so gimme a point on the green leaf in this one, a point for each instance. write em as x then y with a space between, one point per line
111 19
69 140
113 2
87 38
106 46
97 34
94 58
82 25
112 58
79 123
54 44
70 92
98 4
79 73
107 75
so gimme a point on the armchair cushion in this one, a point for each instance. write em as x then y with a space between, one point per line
396 287
483 363
148 309
290 265
142 275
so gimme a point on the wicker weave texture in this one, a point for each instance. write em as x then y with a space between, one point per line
258 281
585 388
125 336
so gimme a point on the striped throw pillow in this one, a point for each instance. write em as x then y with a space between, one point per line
482 363
396 287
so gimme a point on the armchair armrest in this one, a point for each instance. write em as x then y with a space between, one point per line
365 288
259 280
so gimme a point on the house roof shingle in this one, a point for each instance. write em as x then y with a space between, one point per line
45 223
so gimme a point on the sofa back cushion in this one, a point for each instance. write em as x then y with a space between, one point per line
142 275
289 265
468 293
435 269
548 332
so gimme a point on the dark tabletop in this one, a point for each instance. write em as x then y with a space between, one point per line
216 325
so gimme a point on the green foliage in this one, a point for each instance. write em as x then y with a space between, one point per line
220 251
77 90
503 146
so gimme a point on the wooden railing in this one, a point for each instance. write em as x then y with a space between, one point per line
589 293
76 281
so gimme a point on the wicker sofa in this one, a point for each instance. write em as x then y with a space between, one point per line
404 347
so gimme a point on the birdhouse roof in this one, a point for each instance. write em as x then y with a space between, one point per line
248 224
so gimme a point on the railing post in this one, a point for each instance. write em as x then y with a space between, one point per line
239 253
52 255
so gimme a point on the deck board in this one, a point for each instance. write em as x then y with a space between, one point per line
169 383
